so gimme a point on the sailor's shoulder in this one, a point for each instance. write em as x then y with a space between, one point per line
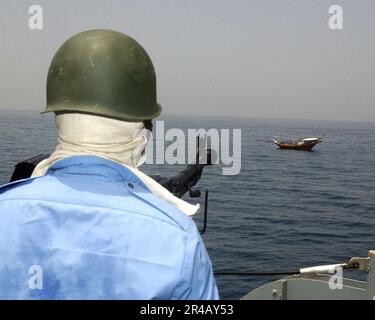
156 205
15 184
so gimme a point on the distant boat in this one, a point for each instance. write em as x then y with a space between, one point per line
305 144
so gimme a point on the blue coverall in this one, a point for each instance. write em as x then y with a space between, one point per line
90 229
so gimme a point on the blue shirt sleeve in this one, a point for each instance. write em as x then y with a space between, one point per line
199 282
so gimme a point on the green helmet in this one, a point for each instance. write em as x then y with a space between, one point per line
105 73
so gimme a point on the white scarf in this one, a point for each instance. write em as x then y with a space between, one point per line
119 141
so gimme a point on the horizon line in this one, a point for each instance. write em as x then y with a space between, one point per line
243 117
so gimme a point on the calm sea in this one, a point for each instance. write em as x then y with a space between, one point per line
285 210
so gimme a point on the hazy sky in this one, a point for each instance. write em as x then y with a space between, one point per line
236 58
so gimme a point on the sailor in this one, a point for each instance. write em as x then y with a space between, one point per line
88 224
